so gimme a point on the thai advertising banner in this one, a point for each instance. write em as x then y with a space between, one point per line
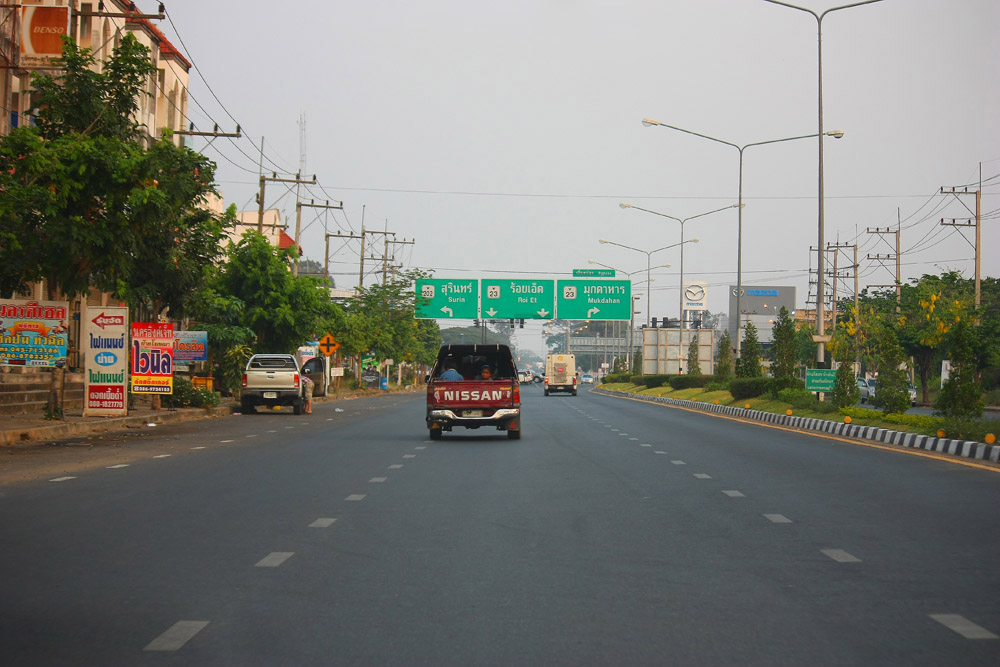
152 358
42 30
190 346
33 333
105 353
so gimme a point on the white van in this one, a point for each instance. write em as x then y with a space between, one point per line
560 373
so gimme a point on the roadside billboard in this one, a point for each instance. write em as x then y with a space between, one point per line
33 333
42 30
152 358
190 346
105 354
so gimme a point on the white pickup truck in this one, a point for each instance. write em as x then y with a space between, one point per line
271 379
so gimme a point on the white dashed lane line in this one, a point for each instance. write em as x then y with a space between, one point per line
409 456
322 523
197 448
777 518
377 480
963 626
701 475
355 497
179 634
225 441
733 493
659 452
252 435
162 456
62 479
679 463
120 465
645 444
396 466
840 555
274 559
420 448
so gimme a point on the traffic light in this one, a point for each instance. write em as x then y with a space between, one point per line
654 322
475 323
512 323
521 323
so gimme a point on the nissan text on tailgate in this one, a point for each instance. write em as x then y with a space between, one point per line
473 386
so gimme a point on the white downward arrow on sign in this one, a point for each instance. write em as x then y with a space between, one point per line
543 312
593 311
491 312
448 311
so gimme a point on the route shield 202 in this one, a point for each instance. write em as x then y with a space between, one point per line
446 299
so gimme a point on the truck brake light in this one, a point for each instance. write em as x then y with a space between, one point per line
517 393
244 380
296 380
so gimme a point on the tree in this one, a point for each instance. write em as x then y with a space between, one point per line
748 365
85 204
845 391
724 363
783 352
694 367
805 346
961 395
891 387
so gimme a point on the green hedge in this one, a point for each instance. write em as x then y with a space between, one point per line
650 381
779 384
186 395
742 388
798 398
616 378
688 381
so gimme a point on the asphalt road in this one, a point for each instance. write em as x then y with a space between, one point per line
614 532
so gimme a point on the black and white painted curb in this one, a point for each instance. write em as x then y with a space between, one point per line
964 448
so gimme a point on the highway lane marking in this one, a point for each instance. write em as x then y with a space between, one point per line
409 456
161 456
828 436
777 518
635 439
225 441
272 431
355 497
179 634
396 466
197 448
679 463
120 465
840 555
377 480
733 493
963 626
701 475
289 427
420 448
62 479
274 559
658 452
645 444
252 435
329 419
322 523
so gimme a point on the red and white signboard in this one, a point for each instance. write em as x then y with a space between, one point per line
105 352
152 358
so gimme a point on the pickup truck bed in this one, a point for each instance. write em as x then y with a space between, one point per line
270 380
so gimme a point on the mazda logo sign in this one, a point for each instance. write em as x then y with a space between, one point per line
694 293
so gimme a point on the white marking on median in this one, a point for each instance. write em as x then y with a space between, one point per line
62 479
120 465
963 626
377 480
322 523
777 518
179 634
396 466
355 497
840 556
162 456
733 493
701 475
275 559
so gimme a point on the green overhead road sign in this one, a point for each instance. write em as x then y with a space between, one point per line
519 299
594 300
443 299
820 379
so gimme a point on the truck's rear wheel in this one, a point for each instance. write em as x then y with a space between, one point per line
435 434
246 407
514 434
297 408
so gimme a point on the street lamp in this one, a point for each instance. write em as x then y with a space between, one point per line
680 297
648 254
820 324
649 122
631 305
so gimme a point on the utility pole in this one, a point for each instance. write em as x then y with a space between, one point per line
372 232
968 223
841 274
326 255
273 178
889 257
298 224
394 244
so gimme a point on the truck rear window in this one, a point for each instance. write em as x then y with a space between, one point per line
273 363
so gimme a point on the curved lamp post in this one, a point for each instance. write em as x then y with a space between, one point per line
648 254
680 297
649 122
820 316
631 305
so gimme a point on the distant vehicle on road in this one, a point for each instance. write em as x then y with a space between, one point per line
271 379
863 390
560 373
586 378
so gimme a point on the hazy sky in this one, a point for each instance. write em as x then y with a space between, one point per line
501 137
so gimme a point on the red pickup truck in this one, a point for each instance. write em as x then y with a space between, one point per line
479 387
